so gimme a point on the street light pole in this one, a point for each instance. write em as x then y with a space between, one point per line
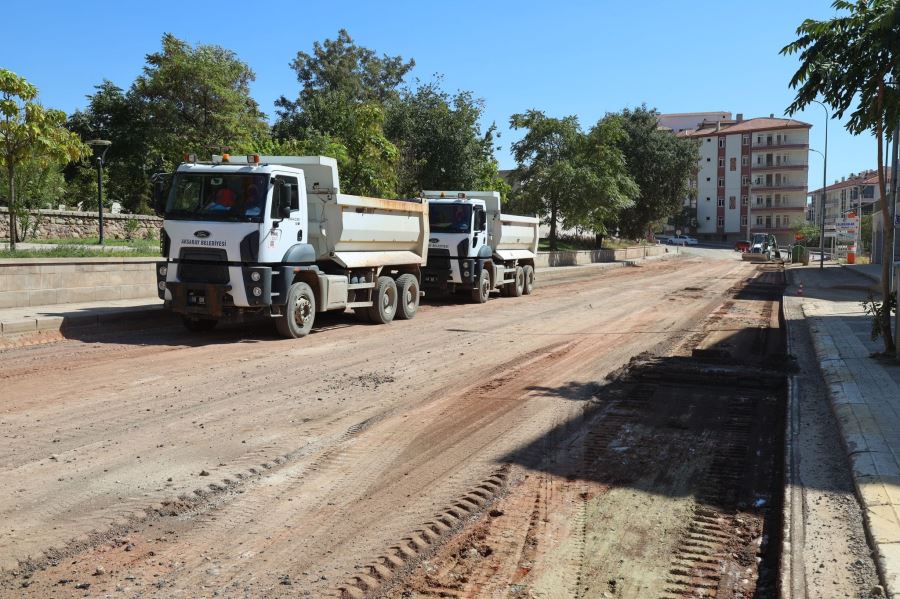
824 186
100 147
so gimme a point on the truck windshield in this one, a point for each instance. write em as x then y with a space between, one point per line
450 218
226 196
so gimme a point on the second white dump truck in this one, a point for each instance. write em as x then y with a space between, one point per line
274 235
474 247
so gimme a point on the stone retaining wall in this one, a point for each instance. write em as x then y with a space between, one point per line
44 281
66 224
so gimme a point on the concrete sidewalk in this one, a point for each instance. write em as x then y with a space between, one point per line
865 397
147 310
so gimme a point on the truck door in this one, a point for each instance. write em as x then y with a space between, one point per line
286 217
479 231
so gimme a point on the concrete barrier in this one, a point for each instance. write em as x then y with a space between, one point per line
45 281
576 258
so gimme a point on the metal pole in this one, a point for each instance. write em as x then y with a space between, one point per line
824 192
100 193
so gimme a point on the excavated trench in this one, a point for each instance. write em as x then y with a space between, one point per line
667 485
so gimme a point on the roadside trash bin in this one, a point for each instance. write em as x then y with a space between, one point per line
800 254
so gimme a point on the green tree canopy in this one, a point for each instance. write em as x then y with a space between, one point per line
568 177
30 132
660 163
853 62
440 141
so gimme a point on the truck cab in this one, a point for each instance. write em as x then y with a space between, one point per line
474 248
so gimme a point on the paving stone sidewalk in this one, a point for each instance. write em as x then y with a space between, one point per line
865 397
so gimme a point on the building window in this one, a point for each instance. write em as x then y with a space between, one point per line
733 164
707 218
745 201
720 202
731 202
759 200
707 198
759 221
708 139
745 180
777 221
786 221
745 160
721 142
721 181
768 222
721 163
745 140
707 179
743 220
868 192
720 222
709 159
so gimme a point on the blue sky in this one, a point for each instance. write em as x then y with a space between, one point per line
582 58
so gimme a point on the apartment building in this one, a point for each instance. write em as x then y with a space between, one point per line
751 177
856 192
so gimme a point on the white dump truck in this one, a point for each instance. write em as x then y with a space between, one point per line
474 247
274 235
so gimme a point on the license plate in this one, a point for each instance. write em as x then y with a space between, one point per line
196 298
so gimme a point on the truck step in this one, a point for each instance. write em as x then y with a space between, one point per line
359 304
352 286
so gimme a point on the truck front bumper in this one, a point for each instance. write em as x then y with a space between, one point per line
202 298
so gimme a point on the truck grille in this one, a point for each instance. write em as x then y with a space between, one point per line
203 266
438 259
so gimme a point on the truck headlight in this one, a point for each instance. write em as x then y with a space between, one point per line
161 285
163 270
255 276
257 291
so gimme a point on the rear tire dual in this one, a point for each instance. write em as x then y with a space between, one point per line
384 301
407 296
528 288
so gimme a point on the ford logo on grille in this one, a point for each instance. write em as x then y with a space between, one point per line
201 234
433 240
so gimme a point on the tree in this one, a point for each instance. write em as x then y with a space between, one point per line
114 115
568 177
440 141
341 104
194 100
661 164
28 131
849 61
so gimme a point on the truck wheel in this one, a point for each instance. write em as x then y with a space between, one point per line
199 325
529 280
408 296
384 301
519 285
483 287
299 312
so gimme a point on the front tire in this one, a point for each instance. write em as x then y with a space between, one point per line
199 325
518 286
483 287
299 312
529 279
384 301
407 296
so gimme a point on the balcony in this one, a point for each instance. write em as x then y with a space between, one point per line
770 168
776 186
784 144
777 208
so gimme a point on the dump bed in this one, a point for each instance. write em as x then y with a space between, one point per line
357 231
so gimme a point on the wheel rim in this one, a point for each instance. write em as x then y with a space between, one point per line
387 301
302 310
485 286
410 299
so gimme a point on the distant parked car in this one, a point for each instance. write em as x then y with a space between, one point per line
682 240
742 246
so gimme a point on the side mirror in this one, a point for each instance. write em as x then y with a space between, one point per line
160 187
481 221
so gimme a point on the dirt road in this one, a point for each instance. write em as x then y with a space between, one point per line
238 464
